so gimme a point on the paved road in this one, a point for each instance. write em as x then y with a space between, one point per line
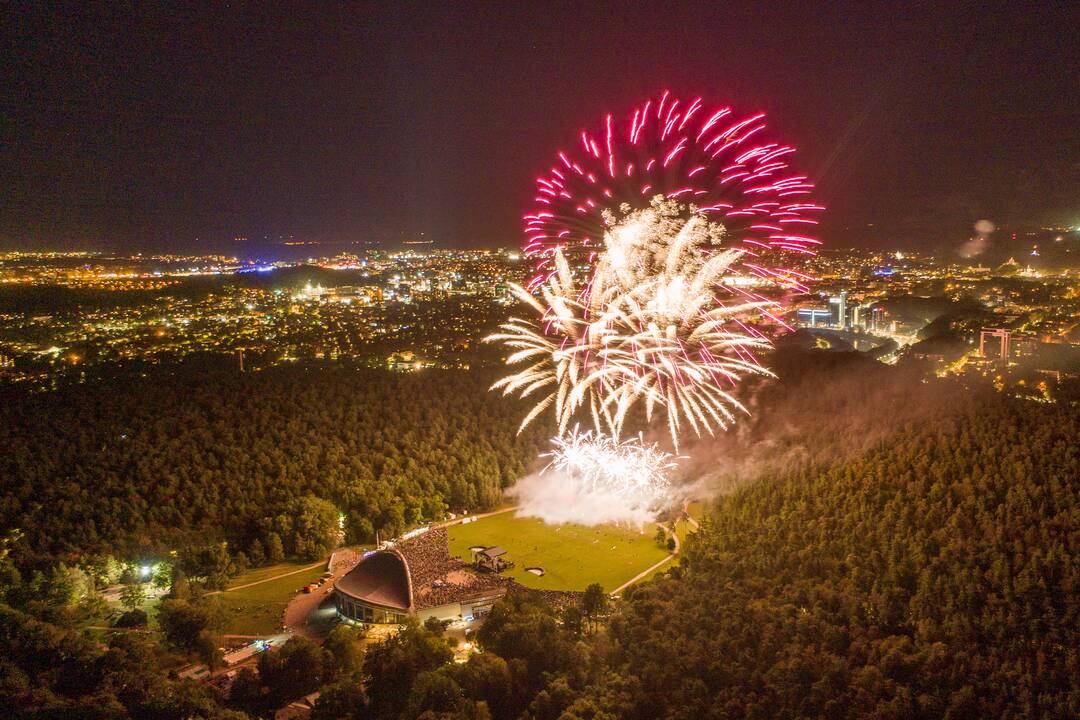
312 615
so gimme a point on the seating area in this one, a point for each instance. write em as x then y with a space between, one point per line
438 578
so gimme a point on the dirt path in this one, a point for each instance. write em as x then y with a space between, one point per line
643 573
266 580
690 518
481 516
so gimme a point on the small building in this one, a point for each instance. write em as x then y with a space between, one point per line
416 577
492 559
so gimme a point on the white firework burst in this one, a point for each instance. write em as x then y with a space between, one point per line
658 323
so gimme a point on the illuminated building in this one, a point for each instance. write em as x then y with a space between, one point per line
416 577
813 316
998 336
840 313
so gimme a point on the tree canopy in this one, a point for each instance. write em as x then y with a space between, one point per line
142 465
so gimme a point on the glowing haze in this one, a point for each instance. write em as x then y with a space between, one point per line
593 479
646 242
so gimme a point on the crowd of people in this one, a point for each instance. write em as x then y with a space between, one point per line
439 578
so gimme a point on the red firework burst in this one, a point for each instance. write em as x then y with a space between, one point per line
709 157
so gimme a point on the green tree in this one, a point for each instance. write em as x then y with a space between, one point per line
487 677
435 625
573 620
345 652
256 553
314 524
344 700
275 548
247 692
296 668
526 632
208 647
62 586
133 595
183 623
436 695
210 563
594 602
92 609
162 575
392 666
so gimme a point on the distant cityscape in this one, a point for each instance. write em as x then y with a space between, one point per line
403 310
65 313
1012 322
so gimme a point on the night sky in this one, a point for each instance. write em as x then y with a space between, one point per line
146 129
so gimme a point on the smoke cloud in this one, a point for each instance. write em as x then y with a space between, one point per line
825 408
558 497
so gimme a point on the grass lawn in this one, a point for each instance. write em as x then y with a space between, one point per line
662 569
149 607
262 573
257 610
572 556
696 509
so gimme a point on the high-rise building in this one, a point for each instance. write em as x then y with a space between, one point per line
877 319
840 318
995 343
813 316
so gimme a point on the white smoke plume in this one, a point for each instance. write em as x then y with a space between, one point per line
592 479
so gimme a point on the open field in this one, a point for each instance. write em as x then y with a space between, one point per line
572 556
262 573
257 610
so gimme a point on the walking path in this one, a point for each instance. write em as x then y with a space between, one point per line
690 518
481 516
266 580
641 575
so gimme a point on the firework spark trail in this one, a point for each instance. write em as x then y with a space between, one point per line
591 479
705 156
603 464
668 217
649 328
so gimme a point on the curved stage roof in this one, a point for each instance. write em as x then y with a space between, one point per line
380 579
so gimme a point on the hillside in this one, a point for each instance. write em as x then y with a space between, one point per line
934 576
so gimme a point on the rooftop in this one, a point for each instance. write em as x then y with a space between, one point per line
381 579
418 573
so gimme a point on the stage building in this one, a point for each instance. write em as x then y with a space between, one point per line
416 577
